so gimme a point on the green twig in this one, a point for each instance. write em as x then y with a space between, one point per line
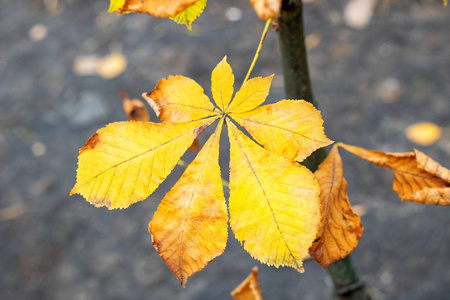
298 86
295 64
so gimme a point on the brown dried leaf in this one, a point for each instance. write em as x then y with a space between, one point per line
13 212
156 8
313 40
266 9
195 145
249 288
418 178
135 109
341 228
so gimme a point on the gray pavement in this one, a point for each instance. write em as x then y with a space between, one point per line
371 84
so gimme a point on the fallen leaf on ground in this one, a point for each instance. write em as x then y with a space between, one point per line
85 65
423 133
195 145
390 90
13 212
359 209
135 109
313 40
249 288
418 178
111 66
358 13
341 51
38 32
340 229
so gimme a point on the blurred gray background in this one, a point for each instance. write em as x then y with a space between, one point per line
371 83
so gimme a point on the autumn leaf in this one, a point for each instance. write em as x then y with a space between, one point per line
124 162
340 227
156 8
187 16
179 99
289 128
116 5
186 11
274 207
222 80
418 178
189 229
249 288
252 94
135 109
195 145
267 9
180 11
285 245
274 201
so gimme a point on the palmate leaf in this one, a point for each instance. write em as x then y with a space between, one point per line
274 201
135 110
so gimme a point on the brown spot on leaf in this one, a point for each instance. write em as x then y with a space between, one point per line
91 143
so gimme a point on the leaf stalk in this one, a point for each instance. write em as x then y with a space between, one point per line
258 50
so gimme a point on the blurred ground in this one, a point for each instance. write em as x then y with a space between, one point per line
371 84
